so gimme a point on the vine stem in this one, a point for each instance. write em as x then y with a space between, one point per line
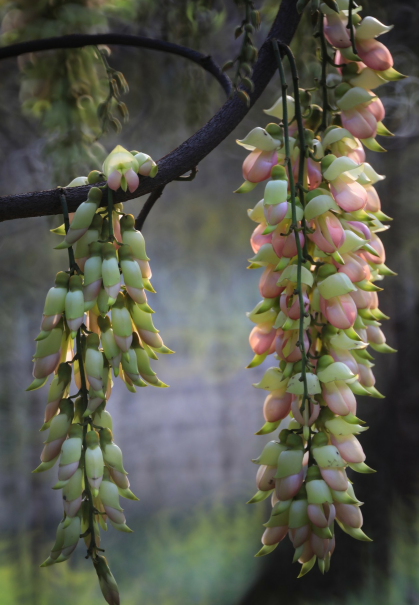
84 395
301 136
83 390
71 259
110 215
300 258
350 26
323 83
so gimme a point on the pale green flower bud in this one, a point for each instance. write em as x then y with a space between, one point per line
132 275
93 462
54 304
107 582
82 218
121 324
74 305
94 364
110 348
72 494
110 272
112 454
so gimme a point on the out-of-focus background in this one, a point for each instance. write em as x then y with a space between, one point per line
188 448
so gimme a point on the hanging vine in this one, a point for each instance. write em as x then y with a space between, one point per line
322 260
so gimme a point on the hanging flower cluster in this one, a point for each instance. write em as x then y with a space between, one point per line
318 243
96 322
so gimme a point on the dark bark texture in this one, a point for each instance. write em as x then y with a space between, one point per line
185 157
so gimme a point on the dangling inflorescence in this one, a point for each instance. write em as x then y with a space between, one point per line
99 308
317 241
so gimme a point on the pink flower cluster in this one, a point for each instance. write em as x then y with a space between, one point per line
319 309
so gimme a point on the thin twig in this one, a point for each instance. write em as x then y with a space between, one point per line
182 159
300 259
80 40
145 210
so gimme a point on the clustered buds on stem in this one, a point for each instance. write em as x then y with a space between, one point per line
318 243
99 308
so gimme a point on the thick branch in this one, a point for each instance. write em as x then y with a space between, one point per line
80 40
189 153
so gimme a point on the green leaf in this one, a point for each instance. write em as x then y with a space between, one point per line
257 360
361 467
391 75
259 496
371 143
246 187
306 567
265 550
356 533
268 427
382 131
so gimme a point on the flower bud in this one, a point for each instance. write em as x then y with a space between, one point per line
93 462
74 305
110 272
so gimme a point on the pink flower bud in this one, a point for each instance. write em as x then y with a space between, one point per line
267 283
375 335
335 478
358 154
316 515
349 514
376 108
349 196
300 535
258 164
328 234
132 180
265 478
307 553
314 411
373 201
44 366
275 213
273 535
361 298
366 377
340 311
339 398
374 54
314 174
261 339
355 267
286 347
257 239
114 180
345 357
377 244
290 302
320 546
349 448
276 408
285 245
289 487
360 122
336 32
360 229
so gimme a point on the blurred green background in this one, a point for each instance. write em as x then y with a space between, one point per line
188 449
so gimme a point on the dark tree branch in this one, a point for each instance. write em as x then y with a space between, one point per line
145 210
80 40
185 157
